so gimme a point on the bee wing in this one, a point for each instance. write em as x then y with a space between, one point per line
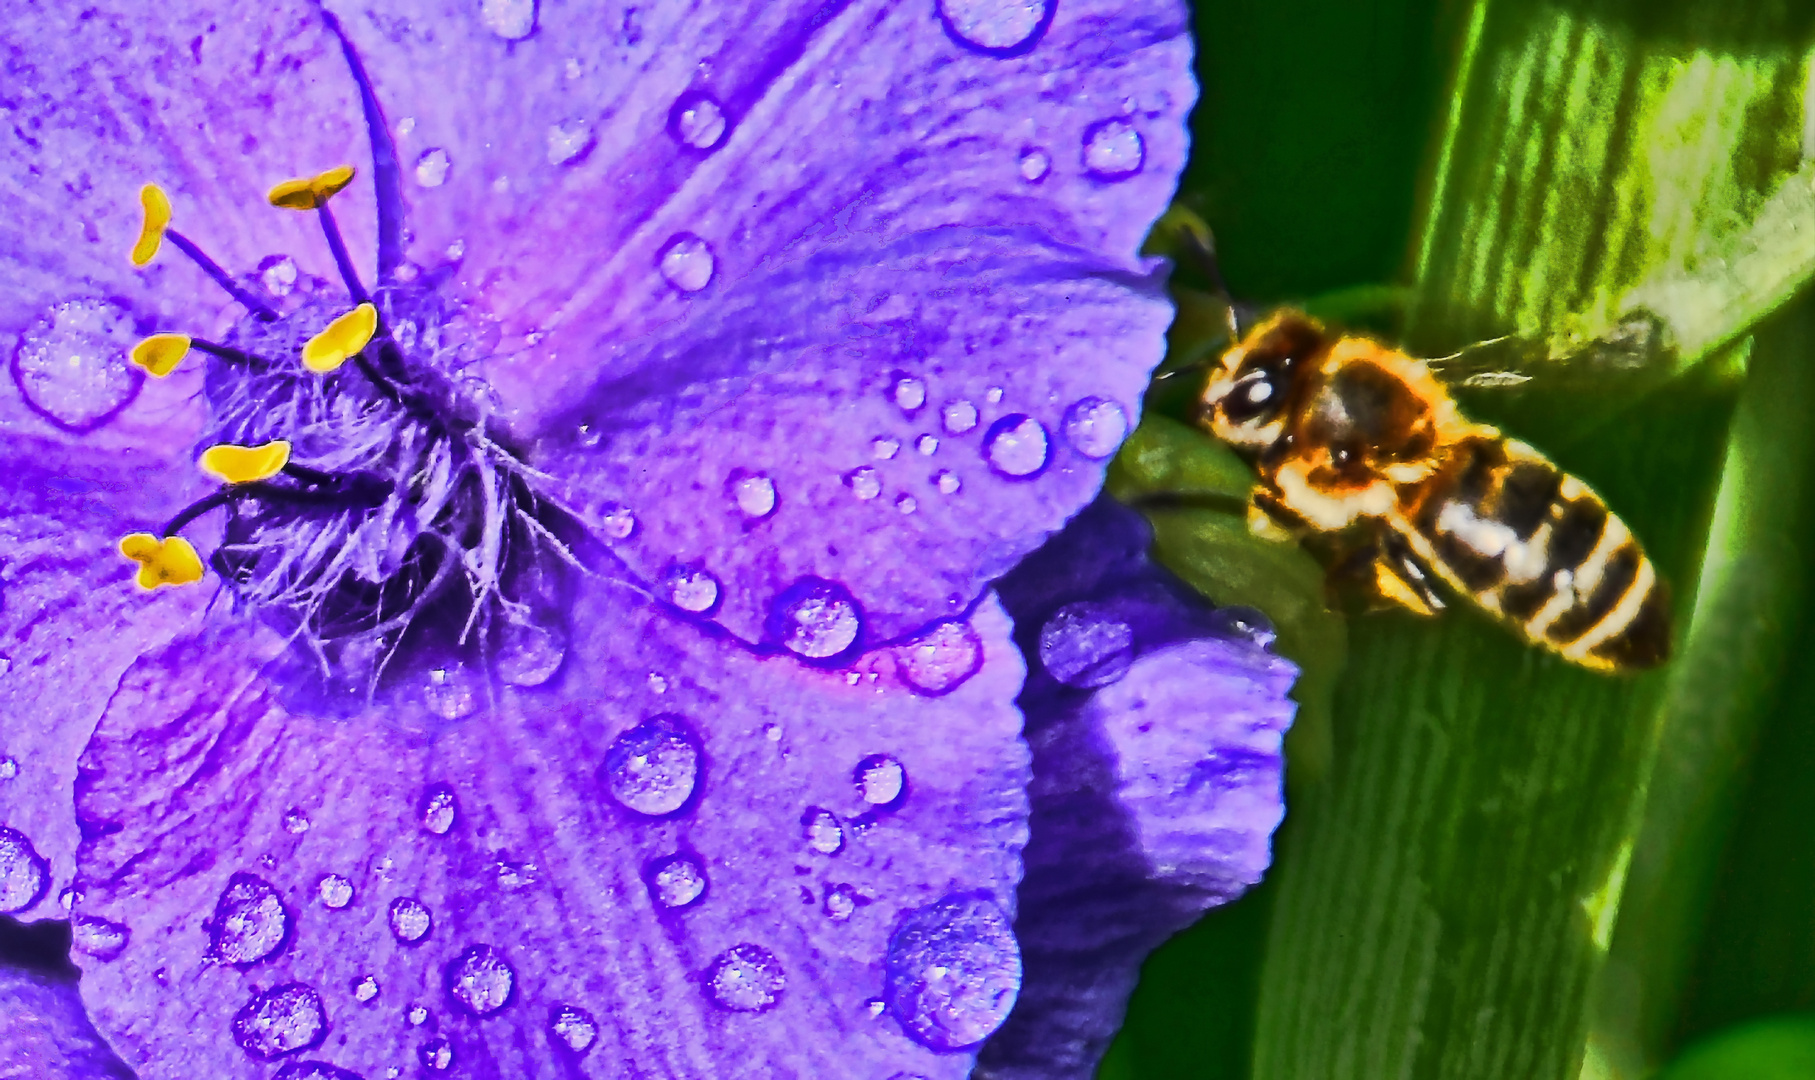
1634 353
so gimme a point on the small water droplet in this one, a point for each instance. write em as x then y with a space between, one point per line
1095 427
416 1015
754 494
9 768
573 1027
250 922
687 263
840 902
334 891
676 880
456 251
653 768
405 126
569 142
1035 164
999 27
295 822
927 445
864 482
953 972
692 590
451 692
698 120
772 732
745 978
1016 446
24 874
1245 623
437 1054
881 781
940 660
71 364
432 166
993 395
907 504
883 448
1084 646
410 921
366 988
277 273
617 522
437 809
515 875
815 619
512 20
98 938
1113 149
282 1020
947 482
657 684
958 417
909 393
530 653
480 980
822 830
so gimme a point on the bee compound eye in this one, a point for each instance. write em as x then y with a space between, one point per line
1252 395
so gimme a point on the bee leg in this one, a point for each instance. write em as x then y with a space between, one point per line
1402 579
1270 519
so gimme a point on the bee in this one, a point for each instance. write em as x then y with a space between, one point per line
1350 436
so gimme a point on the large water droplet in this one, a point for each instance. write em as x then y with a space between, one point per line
840 902
280 1021
250 922
654 767
1095 427
71 364
698 120
692 589
335 891
1016 446
954 972
1035 164
881 781
432 166
1113 149
687 263
745 978
365 989
864 482
958 417
822 830
437 809
315 1070
569 141
909 393
24 874
999 27
675 880
573 1027
451 692
512 20
410 921
480 980
98 938
1085 646
754 494
436 1055
816 619
529 653
940 660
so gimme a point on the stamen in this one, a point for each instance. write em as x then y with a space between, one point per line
155 229
245 464
157 219
168 561
341 340
313 192
257 307
159 354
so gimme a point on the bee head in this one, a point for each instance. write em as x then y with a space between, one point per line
1245 402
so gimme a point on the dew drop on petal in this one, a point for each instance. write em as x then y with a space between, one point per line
98 938
676 881
515 875
569 141
250 922
864 482
416 1016
24 874
512 20
279 1021
940 660
947 482
410 921
815 619
883 448
432 166
698 120
692 590
295 822
745 978
822 830
907 504
996 26
480 980
529 654
277 273
1035 164
1113 149
1016 446
334 891
71 364
436 1055
365 989
1095 427
9 768
451 692
840 902
687 263
573 1027
617 522
927 445
437 809
1245 623
1084 646
654 767
958 417
953 972
880 780
754 494
909 393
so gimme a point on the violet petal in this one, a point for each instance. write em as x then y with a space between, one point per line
44 1034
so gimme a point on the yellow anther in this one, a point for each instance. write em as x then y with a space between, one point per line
244 464
157 219
313 192
160 353
341 340
168 561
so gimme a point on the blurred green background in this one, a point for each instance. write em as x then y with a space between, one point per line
1495 865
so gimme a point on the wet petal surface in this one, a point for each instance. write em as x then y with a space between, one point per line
44 1034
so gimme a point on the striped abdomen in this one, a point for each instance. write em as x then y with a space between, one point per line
1533 545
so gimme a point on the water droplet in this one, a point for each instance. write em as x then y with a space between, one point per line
98 938
657 684
529 653
515 875
687 263
754 494
1095 427
574 1027
366 989
840 903
431 167
1035 164
512 20
909 392
927 445
1245 623
907 504
1016 446
947 482
883 448
881 781
958 417
745 978
569 141
295 822
675 880
693 590
24 874
875 1007
617 521
993 395
410 921
9 768
335 891
280 1021
277 273
953 972
437 809
940 660
772 732
250 922
654 767
315 1070
1113 149
816 619
71 364
1082 645
698 120
480 980
822 830
864 482
451 692
416 1015
999 27
436 1054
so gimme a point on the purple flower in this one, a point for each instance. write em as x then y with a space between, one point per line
593 671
